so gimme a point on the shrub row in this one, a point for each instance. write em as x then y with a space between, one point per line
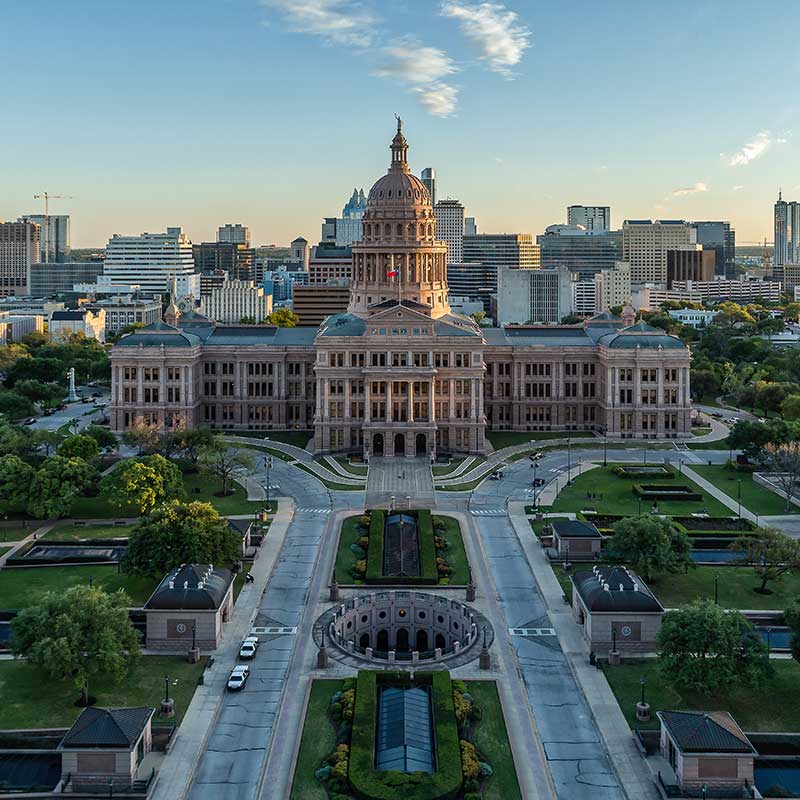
657 471
367 782
427 550
377 522
678 494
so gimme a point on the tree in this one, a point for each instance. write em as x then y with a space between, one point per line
15 439
792 312
790 408
792 618
225 462
142 483
247 321
56 484
770 396
142 436
15 481
771 553
46 441
11 353
705 383
39 391
783 461
571 319
194 441
283 318
78 634
79 446
103 436
649 545
14 406
181 533
478 316
704 648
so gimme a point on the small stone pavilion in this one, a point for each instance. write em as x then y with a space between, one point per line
198 596
575 539
616 608
707 748
103 749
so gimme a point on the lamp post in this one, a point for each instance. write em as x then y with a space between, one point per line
166 688
716 588
640 506
569 462
110 789
194 635
769 634
642 681
680 466
605 447
644 453
268 465
535 487
739 495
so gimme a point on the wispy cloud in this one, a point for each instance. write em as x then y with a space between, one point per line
422 69
497 32
600 169
738 187
695 188
751 150
336 21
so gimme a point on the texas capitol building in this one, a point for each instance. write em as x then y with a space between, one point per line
399 373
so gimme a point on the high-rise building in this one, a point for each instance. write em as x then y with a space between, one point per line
612 287
470 226
721 238
20 246
428 176
313 304
238 260
533 295
787 235
301 252
580 251
235 301
450 228
346 230
690 263
584 296
54 235
592 218
149 260
234 233
473 281
328 262
645 243
51 279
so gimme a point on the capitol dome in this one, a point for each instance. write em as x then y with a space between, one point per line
399 187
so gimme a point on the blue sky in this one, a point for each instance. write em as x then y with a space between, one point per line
268 112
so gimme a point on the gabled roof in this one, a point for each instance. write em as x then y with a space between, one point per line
705 732
392 303
614 589
107 727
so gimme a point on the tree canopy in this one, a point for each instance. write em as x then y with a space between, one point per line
79 446
226 463
650 544
771 553
283 318
181 533
56 484
142 483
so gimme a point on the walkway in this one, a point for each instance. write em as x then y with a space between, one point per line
400 478
723 498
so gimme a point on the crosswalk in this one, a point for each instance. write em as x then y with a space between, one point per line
532 631
488 512
272 630
313 511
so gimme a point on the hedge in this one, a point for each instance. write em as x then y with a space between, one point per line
370 784
657 471
653 491
427 550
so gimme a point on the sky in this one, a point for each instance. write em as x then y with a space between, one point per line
160 113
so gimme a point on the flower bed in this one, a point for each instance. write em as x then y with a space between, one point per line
656 491
428 568
644 471
701 524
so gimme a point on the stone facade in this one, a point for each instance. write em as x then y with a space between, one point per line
399 373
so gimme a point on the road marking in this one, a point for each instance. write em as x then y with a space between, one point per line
272 631
489 512
314 510
532 631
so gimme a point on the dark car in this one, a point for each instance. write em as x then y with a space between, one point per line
496 475
538 481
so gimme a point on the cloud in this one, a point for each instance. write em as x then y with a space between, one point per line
600 169
782 140
751 150
421 69
337 21
501 39
738 187
693 189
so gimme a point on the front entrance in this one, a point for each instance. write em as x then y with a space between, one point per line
377 444
401 641
422 444
399 444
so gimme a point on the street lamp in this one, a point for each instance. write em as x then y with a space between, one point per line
569 462
644 452
680 466
642 681
716 588
769 633
268 465
535 485
740 496
605 447
194 638
110 789
166 688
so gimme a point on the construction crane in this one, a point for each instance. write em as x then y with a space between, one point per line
46 196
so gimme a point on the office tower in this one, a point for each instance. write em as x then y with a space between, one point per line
533 295
54 236
346 230
313 304
645 243
721 238
301 252
428 176
690 263
234 233
592 218
612 287
584 296
580 251
149 260
450 228
238 260
781 254
125 310
329 262
51 279
470 226
20 246
473 281
235 301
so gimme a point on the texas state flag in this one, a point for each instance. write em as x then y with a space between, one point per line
392 273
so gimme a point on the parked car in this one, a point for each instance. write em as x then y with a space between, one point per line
249 647
30 420
238 677
538 481
97 394
496 475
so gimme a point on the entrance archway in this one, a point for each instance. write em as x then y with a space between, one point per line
377 444
399 444
422 444
439 641
422 641
364 640
401 641
382 642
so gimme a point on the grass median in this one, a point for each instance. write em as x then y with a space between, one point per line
755 499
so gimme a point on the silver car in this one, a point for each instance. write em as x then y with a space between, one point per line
238 677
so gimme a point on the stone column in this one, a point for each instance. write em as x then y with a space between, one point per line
411 401
452 398
367 402
432 401
347 398
319 398
388 401
660 391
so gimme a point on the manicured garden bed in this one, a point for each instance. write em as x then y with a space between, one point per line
673 493
501 439
346 559
774 706
354 469
66 531
428 574
30 698
336 486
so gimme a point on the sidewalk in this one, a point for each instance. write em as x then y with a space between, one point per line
177 770
719 431
723 498
631 768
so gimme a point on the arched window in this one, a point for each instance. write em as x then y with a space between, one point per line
399 229
387 229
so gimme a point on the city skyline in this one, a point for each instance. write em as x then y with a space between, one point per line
649 134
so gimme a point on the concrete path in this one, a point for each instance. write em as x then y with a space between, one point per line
718 432
400 478
716 493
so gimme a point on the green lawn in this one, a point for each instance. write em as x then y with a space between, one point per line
30 698
456 554
270 451
353 469
345 558
99 508
755 498
446 469
297 438
21 587
15 534
618 497
491 740
66 531
333 485
500 439
721 444
736 586
317 742
775 706
468 486
701 430
208 485
4 550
